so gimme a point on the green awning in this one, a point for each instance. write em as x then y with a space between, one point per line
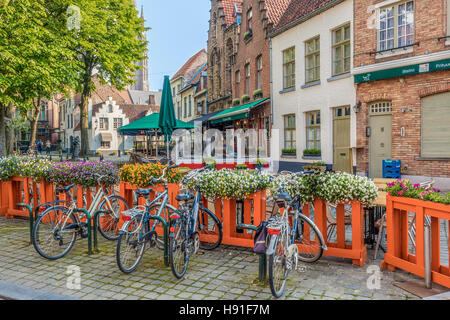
149 125
236 113
403 71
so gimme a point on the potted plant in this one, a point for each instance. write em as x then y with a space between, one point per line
289 152
257 93
241 166
312 152
236 102
245 98
259 164
248 35
210 161
318 166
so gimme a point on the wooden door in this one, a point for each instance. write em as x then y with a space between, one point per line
342 153
380 140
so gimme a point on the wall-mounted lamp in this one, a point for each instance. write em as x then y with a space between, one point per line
357 107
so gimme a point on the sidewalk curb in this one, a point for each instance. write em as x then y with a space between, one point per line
10 291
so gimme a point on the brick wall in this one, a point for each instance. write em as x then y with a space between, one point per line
221 46
248 51
403 92
430 24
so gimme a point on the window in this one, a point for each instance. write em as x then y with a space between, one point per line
237 80
179 110
341 50
185 107
105 144
104 124
247 78
43 113
190 106
249 20
396 26
289 132
312 59
289 68
259 66
117 123
313 130
173 94
435 126
71 120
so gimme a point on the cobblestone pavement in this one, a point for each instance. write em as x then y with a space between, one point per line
226 273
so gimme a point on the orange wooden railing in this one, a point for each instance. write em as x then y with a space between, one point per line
398 254
22 189
253 212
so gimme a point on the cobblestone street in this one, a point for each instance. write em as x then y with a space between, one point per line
226 273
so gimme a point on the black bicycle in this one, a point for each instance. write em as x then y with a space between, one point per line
192 227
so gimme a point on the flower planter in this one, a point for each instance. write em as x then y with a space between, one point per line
398 254
17 190
254 211
3 198
357 251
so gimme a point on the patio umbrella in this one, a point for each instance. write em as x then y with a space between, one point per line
167 121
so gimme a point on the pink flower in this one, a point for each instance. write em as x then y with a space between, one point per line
400 193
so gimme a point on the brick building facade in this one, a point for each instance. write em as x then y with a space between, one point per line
222 46
402 75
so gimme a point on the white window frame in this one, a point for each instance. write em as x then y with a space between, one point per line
394 5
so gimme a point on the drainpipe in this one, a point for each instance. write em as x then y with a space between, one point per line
271 84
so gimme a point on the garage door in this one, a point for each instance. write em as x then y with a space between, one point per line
436 126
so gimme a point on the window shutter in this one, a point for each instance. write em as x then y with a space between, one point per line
436 126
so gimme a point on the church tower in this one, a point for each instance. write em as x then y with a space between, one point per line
141 75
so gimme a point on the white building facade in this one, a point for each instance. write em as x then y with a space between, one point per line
313 90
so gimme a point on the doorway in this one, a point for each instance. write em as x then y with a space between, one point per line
342 152
380 140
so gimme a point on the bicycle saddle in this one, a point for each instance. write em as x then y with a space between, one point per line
184 197
64 189
282 196
143 192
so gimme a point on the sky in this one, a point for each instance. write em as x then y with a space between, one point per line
179 29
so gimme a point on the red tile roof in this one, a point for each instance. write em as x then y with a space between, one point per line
197 59
275 9
299 9
228 10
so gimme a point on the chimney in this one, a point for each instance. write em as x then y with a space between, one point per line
151 99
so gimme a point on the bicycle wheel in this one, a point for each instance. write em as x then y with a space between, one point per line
165 214
278 271
54 232
178 255
209 229
130 246
107 223
310 243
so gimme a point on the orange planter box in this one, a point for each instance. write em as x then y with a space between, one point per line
3 198
398 255
253 213
126 191
357 250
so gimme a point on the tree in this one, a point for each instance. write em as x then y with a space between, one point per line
35 61
108 44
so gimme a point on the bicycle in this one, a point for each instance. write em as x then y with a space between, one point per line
136 232
287 244
57 227
192 227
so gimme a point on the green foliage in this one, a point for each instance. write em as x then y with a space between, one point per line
245 98
289 151
236 101
312 152
404 188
